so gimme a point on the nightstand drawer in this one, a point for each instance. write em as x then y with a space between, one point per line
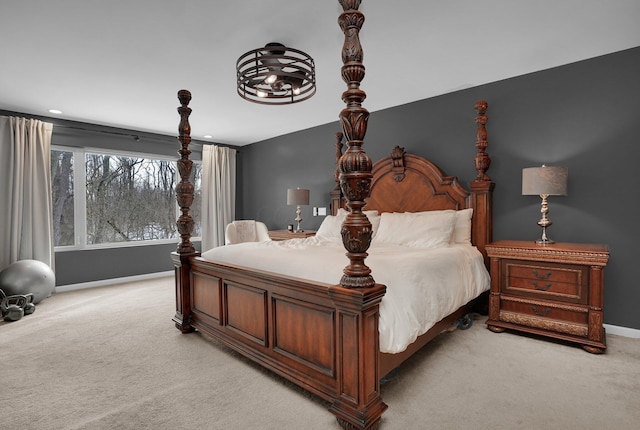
547 316
567 283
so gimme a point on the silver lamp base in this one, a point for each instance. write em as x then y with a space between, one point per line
544 222
298 220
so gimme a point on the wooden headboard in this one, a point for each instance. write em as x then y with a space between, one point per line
409 183
405 182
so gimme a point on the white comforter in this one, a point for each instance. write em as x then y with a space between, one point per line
423 285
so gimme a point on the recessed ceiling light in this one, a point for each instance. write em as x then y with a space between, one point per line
207 136
56 111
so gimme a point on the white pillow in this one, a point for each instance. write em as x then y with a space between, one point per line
431 229
462 227
374 219
327 229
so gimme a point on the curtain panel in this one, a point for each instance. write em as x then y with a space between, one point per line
218 193
26 212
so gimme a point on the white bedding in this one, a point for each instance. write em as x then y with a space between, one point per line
423 285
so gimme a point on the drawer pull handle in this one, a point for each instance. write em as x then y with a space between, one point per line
544 287
539 312
545 276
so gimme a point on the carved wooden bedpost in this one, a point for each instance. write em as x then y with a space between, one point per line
354 165
184 196
358 403
185 189
482 159
482 186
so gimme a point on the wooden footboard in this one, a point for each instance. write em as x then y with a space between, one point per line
324 339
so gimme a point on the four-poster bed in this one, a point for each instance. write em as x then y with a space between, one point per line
321 336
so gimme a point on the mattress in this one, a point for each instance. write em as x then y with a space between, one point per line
423 284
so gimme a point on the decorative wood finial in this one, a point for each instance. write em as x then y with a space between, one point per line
185 189
482 159
397 163
354 165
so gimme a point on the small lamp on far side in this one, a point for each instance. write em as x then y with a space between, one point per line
544 181
298 197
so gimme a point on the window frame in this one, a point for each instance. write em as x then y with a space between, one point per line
80 204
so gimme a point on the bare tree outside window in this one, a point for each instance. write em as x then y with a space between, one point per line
62 196
196 206
129 199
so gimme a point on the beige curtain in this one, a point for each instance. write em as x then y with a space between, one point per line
218 193
26 214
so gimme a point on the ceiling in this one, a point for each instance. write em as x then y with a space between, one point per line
121 62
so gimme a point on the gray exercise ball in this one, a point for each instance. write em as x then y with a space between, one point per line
28 276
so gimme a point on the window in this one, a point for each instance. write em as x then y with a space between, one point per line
116 198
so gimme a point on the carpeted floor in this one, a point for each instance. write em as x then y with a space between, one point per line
110 358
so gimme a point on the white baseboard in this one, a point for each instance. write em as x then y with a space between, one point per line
622 331
113 281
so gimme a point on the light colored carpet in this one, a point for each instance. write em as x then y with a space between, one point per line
110 358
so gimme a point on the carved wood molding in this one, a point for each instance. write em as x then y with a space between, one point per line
553 255
397 164
596 333
339 146
544 323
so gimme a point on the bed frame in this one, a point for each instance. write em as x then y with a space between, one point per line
325 339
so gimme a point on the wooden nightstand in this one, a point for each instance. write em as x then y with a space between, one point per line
286 234
554 290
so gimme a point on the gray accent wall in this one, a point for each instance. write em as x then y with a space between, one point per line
583 115
74 267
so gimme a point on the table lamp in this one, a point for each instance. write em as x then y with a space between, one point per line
298 197
544 181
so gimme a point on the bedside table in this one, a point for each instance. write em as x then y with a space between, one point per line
554 290
286 234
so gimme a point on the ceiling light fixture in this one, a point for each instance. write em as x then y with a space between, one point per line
56 111
276 75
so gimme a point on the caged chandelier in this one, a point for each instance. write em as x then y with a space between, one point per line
276 75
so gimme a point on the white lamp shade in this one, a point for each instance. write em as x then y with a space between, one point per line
297 196
545 180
